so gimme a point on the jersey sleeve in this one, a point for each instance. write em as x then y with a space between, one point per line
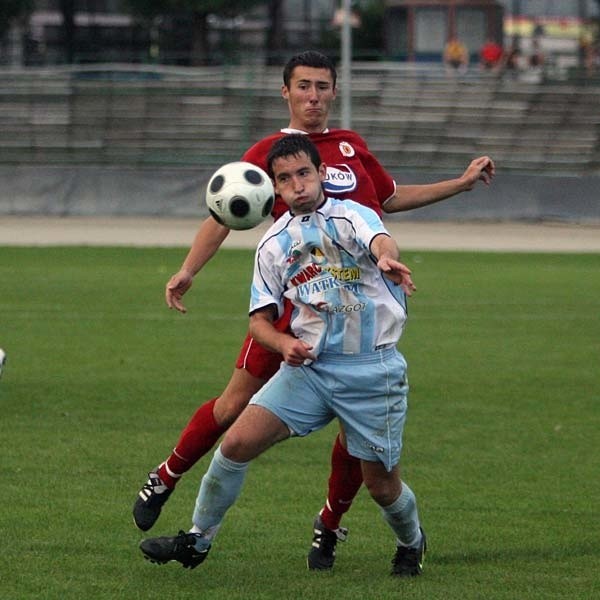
384 183
267 287
367 224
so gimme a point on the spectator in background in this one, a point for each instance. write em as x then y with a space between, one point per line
592 59
536 58
490 56
534 69
513 59
588 55
456 56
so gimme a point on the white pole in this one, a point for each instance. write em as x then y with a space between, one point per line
346 71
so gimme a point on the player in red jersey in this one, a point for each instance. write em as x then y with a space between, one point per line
351 168
309 89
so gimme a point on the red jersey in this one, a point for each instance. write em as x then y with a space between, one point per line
491 53
352 171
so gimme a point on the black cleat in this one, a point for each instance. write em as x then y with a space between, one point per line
181 548
322 554
149 503
408 562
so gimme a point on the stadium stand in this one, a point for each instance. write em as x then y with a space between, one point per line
412 119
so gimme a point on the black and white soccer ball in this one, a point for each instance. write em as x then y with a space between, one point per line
240 195
2 360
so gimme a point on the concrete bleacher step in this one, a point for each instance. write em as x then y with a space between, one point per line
411 117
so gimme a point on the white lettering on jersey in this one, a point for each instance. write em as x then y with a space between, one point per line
340 179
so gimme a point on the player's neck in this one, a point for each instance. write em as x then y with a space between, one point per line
303 128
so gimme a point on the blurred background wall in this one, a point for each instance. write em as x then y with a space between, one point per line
125 107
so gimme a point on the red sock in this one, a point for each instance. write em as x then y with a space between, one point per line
198 437
344 482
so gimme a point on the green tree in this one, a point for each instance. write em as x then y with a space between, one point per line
10 10
275 35
199 10
67 8
368 38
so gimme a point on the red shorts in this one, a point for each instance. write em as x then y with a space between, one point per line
256 359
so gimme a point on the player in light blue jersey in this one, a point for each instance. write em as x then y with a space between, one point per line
321 262
337 264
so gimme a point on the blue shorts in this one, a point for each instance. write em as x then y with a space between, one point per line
366 392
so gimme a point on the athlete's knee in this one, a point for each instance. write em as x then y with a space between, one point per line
383 487
229 406
233 446
382 494
241 444
235 397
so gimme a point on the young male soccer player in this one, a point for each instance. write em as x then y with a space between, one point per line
338 266
309 87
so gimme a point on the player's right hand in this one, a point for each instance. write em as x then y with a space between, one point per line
295 352
176 287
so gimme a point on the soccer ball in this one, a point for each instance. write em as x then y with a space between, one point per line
2 360
240 195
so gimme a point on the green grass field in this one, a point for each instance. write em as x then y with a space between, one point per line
502 444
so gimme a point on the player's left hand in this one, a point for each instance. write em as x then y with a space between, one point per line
397 272
480 169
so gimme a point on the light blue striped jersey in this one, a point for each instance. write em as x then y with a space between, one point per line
322 263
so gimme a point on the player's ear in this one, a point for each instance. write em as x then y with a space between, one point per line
285 92
322 171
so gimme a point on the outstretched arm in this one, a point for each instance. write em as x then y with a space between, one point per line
408 197
208 239
385 250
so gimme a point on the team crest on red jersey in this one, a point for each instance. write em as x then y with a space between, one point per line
346 149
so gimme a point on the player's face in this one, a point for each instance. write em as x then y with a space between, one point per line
299 182
309 98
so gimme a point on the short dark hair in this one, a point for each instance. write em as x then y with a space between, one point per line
308 58
293 144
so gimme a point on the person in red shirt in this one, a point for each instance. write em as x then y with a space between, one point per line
490 56
309 88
